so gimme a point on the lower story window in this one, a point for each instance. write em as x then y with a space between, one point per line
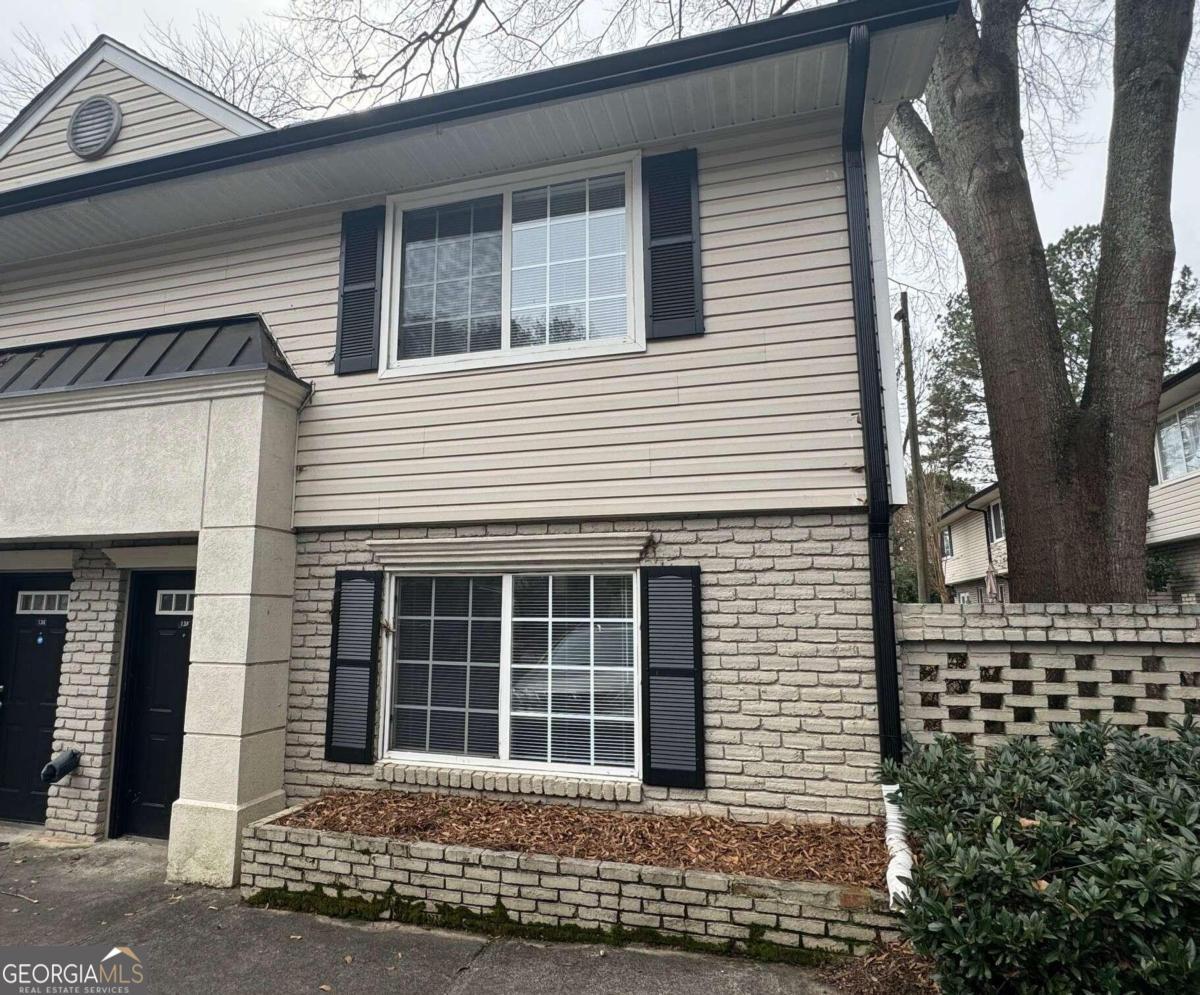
533 670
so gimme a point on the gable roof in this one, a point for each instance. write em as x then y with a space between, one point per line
106 49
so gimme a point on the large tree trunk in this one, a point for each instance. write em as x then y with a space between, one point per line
1073 477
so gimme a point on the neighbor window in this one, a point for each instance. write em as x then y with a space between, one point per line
947 542
531 269
1179 443
996 520
531 670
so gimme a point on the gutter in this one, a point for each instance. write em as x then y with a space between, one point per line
870 385
819 25
879 512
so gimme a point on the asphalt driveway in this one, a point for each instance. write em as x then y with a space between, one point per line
193 939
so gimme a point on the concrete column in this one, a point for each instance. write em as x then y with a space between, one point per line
236 710
87 697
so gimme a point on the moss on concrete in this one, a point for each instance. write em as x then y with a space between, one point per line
498 922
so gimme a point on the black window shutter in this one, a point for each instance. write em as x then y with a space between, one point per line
354 647
671 204
672 686
359 298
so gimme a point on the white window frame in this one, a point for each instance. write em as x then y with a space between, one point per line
391 366
60 597
996 513
1171 415
158 602
503 763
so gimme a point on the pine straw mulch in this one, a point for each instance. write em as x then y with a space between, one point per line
835 853
894 969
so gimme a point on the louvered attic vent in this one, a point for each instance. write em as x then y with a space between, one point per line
94 127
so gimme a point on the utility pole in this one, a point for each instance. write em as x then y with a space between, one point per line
914 438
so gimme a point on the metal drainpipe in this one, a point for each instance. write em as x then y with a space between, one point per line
879 512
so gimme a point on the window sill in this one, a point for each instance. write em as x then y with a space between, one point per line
478 361
550 785
1183 478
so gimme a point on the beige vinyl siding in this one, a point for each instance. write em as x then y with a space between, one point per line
1175 510
970 559
760 413
152 124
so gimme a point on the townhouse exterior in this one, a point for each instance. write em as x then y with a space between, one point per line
973 533
537 438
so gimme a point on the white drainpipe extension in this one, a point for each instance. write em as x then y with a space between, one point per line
900 857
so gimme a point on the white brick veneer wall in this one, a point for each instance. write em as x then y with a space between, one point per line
87 696
789 702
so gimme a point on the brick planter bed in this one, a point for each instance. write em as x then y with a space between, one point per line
373 876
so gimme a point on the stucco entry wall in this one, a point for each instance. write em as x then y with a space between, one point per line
210 458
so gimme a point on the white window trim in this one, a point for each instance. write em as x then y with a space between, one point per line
158 602
392 367
1171 414
58 595
995 511
503 763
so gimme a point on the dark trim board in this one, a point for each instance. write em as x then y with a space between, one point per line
870 388
818 25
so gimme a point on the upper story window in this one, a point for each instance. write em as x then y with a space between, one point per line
540 267
947 542
995 515
1178 443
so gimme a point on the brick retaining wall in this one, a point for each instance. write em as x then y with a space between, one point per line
986 672
554 891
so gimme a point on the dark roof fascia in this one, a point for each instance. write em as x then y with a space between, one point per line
966 503
1175 379
818 25
268 365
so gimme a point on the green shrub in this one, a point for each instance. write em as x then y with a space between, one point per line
1068 869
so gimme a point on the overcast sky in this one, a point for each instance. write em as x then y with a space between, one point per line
1073 199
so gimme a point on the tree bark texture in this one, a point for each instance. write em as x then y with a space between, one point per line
1073 477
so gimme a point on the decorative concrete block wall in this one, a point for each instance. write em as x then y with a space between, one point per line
986 672
789 686
548 890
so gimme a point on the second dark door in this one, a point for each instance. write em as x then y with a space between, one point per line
150 750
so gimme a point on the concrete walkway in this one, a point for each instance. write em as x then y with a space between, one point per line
193 939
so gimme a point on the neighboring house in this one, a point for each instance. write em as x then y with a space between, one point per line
972 540
537 438
1174 525
973 533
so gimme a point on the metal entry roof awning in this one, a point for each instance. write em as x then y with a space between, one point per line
223 345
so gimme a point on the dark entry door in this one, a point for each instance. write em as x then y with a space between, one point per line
33 625
154 691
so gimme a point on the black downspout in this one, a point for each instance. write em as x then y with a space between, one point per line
870 386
